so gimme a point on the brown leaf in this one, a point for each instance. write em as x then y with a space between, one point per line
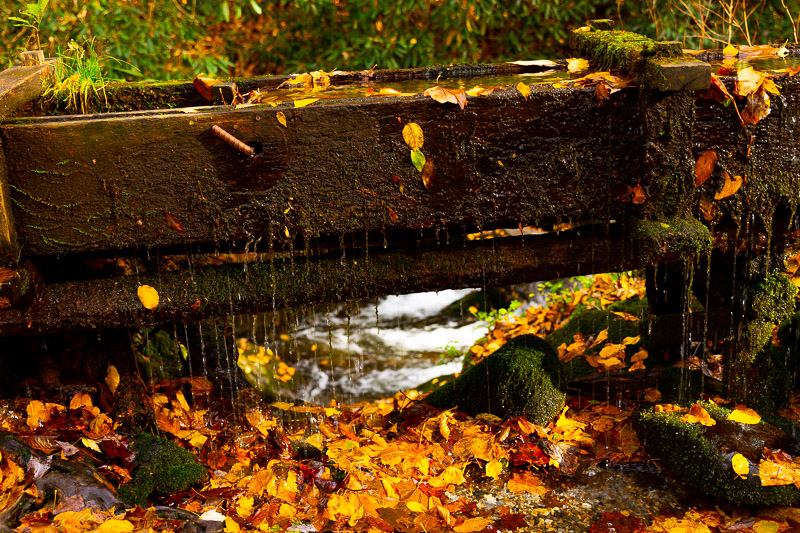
442 95
173 223
704 167
602 93
203 86
428 172
730 186
392 215
757 106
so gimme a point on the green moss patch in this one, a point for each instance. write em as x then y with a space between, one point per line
701 455
521 378
162 468
681 238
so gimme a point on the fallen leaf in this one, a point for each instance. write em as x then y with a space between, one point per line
442 95
638 193
416 507
304 102
412 134
704 167
729 187
740 464
148 296
525 90
173 223
38 414
748 81
418 159
577 64
479 91
112 378
393 215
281 118
745 415
428 172
652 395
698 415
114 525
471 525
730 51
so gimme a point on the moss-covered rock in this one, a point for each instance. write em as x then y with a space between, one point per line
590 322
521 378
701 455
161 468
757 373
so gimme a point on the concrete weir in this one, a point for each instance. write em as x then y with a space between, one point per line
329 206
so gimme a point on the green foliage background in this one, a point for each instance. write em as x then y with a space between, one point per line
172 39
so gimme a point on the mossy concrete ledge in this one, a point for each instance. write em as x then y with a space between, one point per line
659 65
701 455
678 238
521 378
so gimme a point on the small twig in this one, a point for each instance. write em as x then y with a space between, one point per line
791 19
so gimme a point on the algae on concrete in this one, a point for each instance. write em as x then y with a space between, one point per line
521 378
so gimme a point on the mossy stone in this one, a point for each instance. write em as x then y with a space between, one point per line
161 468
521 378
593 321
701 455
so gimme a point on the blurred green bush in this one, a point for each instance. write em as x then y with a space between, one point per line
171 39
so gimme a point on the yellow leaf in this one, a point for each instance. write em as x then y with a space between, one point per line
730 51
627 341
601 337
494 468
766 526
452 475
283 406
148 296
281 118
412 134
92 445
416 507
773 474
577 65
745 415
611 350
112 378
525 90
286 510
114 526
304 102
729 187
740 464
472 524
748 81
231 526
80 399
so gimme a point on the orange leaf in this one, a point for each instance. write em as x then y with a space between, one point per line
428 172
472 524
730 186
704 167
638 193
148 296
525 90
698 415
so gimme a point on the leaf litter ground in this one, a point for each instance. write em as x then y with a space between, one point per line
390 465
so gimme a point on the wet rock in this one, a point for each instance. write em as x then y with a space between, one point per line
701 456
521 378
